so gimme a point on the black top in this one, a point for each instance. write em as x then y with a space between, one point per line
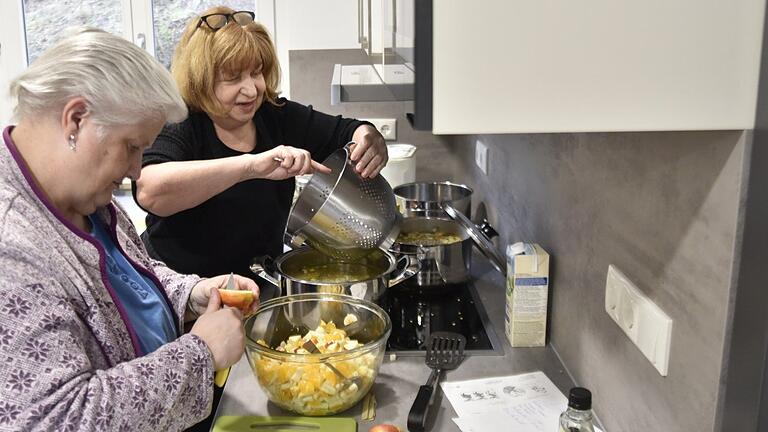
580 399
226 232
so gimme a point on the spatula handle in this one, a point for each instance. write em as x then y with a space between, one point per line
417 417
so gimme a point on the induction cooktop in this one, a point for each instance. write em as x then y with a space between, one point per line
418 311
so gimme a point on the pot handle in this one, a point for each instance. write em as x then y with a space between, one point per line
485 227
264 266
411 266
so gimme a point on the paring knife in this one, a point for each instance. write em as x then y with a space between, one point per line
221 375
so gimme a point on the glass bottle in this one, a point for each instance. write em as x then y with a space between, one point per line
578 416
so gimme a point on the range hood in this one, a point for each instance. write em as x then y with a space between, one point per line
372 82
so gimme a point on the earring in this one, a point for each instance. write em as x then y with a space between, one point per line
71 142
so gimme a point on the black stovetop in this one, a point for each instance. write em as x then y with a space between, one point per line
417 311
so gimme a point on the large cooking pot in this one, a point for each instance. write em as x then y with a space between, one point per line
443 247
306 270
441 261
426 199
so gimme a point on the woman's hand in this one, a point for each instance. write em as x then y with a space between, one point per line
222 331
201 293
369 151
283 162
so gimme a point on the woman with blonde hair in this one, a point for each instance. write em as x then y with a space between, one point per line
227 172
90 326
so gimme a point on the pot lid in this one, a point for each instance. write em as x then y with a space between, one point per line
481 240
400 151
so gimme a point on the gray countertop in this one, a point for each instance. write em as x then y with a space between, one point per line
398 381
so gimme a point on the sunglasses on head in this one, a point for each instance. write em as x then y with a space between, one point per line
216 21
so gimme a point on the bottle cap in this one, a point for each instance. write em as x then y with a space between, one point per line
580 399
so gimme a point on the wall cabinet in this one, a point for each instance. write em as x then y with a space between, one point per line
329 24
514 66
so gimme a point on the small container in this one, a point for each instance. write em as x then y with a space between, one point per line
578 416
401 167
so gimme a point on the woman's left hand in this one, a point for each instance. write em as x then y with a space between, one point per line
201 293
369 151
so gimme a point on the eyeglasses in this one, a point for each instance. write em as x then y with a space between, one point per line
218 20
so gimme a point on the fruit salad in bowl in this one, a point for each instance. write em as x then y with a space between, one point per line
347 336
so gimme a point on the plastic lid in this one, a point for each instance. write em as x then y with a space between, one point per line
481 240
580 399
400 151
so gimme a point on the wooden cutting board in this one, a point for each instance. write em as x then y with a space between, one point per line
284 424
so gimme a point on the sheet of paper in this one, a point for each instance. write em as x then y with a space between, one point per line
532 392
500 421
523 403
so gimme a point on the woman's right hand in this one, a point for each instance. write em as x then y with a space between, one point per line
222 330
283 162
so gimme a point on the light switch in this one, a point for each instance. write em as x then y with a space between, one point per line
641 319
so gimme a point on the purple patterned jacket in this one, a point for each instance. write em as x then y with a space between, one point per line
69 358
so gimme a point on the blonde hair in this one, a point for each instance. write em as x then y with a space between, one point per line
203 53
121 83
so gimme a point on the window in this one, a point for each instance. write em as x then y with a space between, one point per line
171 16
31 26
46 21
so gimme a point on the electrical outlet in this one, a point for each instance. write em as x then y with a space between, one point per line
646 325
481 156
387 127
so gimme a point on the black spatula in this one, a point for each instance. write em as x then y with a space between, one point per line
445 351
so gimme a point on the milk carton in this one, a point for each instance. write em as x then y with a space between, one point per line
527 292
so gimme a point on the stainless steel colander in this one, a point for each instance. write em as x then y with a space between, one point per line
342 214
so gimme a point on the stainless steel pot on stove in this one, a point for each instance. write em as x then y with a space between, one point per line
446 262
306 270
439 264
426 199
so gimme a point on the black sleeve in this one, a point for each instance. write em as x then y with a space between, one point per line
176 142
320 133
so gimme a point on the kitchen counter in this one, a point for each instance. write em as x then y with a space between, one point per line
398 381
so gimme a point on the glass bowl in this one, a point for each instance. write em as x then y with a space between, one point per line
302 382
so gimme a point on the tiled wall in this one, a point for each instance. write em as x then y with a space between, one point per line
663 207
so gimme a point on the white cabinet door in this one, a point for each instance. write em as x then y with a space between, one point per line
317 25
507 66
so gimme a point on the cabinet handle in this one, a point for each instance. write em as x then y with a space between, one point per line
359 21
141 41
361 39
